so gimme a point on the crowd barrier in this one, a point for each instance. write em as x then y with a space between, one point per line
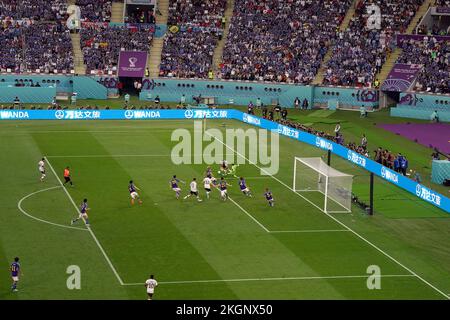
369 165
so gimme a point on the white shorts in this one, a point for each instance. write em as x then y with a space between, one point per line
151 291
15 279
245 190
223 193
134 195
176 189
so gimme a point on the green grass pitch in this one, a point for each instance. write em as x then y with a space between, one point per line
238 249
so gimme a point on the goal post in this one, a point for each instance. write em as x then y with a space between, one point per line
326 188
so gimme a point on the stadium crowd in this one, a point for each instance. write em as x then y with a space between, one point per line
48 47
359 52
442 3
188 53
283 41
43 46
101 45
196 27
95 10
204 13
38 10
434 55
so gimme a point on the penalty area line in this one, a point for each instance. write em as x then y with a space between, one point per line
279 279
309 231
118 155
88 227
337 221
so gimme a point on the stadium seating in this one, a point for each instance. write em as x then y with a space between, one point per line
39 10
188 51
48 47
101 45
198 12
433 55
283 41
358 52
95 10
11 48
28 48
442 3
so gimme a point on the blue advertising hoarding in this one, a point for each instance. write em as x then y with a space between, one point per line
385 173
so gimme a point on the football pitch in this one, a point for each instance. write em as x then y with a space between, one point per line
235 249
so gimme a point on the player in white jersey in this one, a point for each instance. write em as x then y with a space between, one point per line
151 284
207 182
194 190
41 165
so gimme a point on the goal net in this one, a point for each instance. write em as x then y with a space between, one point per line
328 189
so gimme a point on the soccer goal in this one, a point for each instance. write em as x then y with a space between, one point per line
325 187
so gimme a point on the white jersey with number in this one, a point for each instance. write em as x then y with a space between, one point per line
207 183
193 186
151 284
41 165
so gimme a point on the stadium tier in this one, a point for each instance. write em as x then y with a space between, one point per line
101 45
280 41
189 48
433 54
359 52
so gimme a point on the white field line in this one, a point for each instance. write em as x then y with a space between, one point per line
248 214
309 231
19 206
339 222
88 227
117 155
276 279
283 231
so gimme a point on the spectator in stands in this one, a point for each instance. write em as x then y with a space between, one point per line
272 40
95 10
101 45
359 52
433 55
38 10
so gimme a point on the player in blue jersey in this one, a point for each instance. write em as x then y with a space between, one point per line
243 186
83 213
174 185
223 189
133 193
269 197
15 273
208 173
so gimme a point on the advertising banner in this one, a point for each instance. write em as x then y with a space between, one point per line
132 64
401 77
